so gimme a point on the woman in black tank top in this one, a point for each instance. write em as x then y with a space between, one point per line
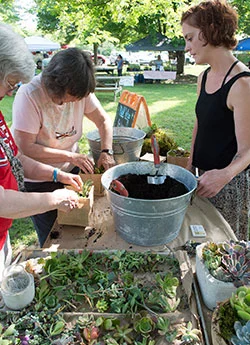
221 136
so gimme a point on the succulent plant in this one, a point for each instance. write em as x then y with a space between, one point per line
242 336
240 301
228 261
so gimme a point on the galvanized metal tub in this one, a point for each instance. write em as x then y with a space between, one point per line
149 222
127 144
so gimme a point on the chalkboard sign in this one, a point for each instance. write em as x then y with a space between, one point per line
124 116
132 111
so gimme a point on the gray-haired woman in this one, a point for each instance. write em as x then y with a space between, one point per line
17 65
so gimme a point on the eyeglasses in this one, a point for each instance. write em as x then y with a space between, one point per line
11 87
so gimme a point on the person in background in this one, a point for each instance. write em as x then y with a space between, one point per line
221 141
45 61
17 65
48 117
119 62
158 63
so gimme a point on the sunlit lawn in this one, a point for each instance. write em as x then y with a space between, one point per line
171 106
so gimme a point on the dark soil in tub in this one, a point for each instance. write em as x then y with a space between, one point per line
138 187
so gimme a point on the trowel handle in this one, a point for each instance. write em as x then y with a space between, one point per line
156 151
118 187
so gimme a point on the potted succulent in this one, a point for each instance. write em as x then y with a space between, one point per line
221 268
178 156
231 319
80 216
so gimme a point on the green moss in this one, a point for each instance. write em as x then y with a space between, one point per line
226 319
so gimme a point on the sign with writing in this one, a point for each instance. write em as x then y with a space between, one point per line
124 116
132 111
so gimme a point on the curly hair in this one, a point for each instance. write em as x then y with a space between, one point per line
217 21
69 71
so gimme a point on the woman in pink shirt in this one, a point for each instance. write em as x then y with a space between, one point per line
48 122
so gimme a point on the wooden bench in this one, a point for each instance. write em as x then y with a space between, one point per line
115 88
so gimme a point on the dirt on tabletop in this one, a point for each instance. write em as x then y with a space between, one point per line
138 187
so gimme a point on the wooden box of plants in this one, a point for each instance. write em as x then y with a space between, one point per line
96 178
79 216
106 298
178 157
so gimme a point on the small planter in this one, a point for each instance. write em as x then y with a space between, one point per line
178 157
17 288
212 289
96 178
78 216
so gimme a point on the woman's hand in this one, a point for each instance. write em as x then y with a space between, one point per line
70 179
64 199
83 162
106 160
211 182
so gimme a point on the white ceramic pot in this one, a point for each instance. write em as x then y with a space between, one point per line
212 290
17 288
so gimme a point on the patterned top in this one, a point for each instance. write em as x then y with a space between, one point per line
7 178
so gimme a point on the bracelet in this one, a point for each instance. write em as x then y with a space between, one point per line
55 172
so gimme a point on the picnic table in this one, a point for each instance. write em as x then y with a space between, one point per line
107 69
108 84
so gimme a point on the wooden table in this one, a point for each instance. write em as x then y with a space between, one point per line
107 69
101 235
108 84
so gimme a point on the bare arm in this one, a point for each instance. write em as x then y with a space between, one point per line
15 204
214 180
27 142
40 171
105 128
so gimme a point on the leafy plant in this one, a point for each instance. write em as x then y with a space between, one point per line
242 336
7 335
232 311
228 261
164 138
191 335
86 188
144 325
179 152
100 170
240 302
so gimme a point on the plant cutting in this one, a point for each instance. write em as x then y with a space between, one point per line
221 268
51 329
96 178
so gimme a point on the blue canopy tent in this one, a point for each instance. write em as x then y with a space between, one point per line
243 45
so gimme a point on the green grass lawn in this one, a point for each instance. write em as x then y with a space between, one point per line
171 106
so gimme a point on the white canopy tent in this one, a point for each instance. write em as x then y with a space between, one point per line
37 43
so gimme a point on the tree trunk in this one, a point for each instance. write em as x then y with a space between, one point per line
95 53
180 62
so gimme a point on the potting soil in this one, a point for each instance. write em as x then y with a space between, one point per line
139 188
